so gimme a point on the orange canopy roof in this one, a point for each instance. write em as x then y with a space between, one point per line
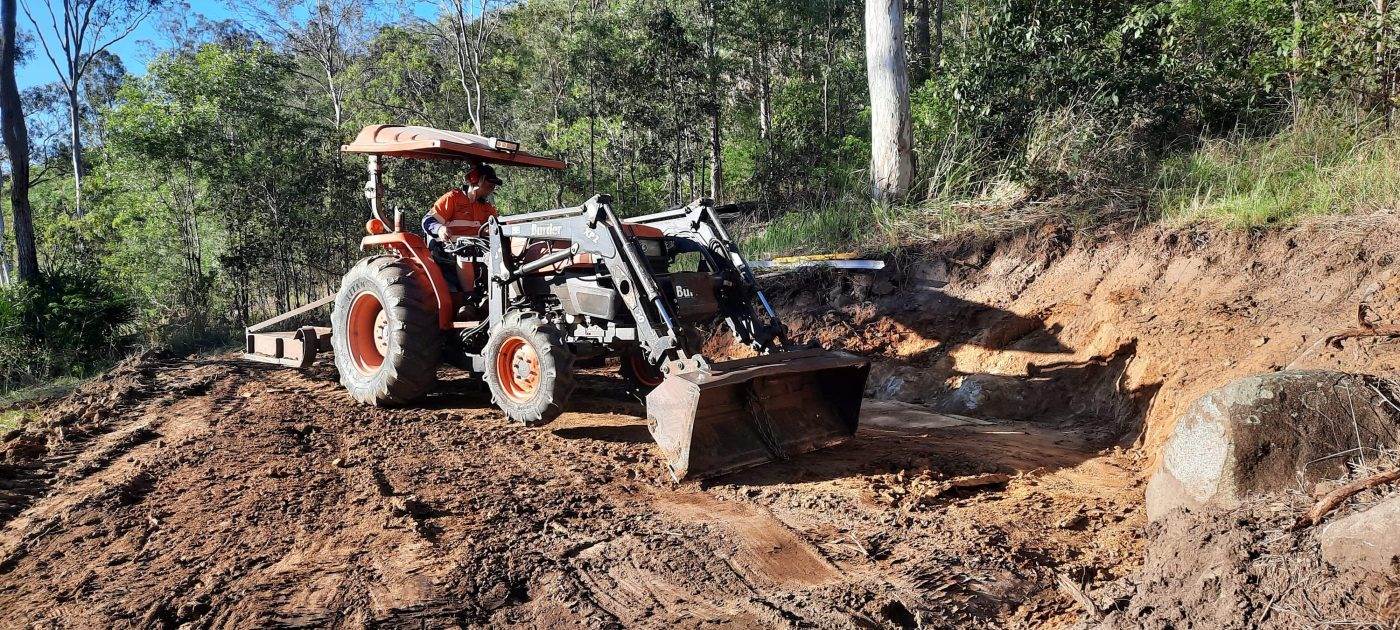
426 143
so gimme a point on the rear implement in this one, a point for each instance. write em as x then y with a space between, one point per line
290 348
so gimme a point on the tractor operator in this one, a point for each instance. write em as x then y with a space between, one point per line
462 212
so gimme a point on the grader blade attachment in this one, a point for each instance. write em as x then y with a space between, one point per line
290 348
746 412
297 348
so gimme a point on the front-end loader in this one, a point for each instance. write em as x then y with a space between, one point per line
551 287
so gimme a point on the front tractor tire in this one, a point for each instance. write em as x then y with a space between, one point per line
385 332
530 370
639 372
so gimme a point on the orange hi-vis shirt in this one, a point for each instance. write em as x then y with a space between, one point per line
462 215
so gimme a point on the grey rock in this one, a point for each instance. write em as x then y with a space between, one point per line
1268 432
989 395
1368 540
932 274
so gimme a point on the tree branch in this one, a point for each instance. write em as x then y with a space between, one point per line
1335 498
43 42
131 28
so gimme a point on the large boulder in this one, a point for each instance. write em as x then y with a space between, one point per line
1268 432
1365 540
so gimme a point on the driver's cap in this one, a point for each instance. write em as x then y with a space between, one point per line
482 172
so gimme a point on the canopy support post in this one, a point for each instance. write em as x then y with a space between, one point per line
374 192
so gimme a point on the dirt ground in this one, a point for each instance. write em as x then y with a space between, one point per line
217 493
229 494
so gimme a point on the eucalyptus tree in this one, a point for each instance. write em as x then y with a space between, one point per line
325 37
891 128
16 138
89 28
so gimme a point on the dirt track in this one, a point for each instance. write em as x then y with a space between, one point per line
230 495
225 494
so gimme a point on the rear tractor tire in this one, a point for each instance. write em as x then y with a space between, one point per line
385 332
530 369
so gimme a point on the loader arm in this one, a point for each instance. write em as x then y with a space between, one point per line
698 226
590 228
707 418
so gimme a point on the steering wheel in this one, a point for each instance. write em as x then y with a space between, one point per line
465 246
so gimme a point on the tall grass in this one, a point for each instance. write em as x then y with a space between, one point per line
851 223
1323 162
1076 169
957 175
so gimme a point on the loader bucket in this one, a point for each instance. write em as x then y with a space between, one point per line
747 412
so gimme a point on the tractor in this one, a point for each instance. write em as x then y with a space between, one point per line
552 288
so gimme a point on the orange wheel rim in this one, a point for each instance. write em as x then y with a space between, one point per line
645 372
368 326
518 369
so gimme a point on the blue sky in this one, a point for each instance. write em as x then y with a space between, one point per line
144 43
136 50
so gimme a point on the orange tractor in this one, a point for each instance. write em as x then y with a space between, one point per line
551 287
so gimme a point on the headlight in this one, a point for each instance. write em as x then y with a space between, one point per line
652 248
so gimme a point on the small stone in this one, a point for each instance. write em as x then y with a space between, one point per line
1073 521
495 597
338 462
1365 540
1259 341
408 505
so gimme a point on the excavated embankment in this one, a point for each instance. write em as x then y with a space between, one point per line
1015 415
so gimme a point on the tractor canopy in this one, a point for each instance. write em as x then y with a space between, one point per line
426 143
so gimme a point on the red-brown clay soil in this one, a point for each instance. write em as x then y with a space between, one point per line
227 494
217 493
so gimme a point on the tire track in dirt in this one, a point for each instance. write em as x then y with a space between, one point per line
267 498
110 463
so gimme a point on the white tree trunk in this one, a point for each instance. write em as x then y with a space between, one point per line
75 140
891 131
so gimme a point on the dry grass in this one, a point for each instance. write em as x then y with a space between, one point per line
1323 163
1325 166
11 419
11 416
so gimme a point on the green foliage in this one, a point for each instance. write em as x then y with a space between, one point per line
231 186
1322 163
74 321
217 194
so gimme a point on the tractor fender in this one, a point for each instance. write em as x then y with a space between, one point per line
412 248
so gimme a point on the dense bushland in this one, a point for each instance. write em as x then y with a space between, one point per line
73 321
215 192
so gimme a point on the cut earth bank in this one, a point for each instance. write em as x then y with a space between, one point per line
1281 346
1023 394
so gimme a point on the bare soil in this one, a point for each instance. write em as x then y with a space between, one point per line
1242 568
216 493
